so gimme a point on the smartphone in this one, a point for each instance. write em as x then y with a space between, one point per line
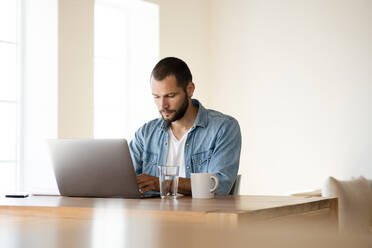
17 195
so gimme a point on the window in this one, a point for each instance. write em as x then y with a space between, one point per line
126 38
28 93
126 49
9 100
39 95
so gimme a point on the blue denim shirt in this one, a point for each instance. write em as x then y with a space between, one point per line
213 145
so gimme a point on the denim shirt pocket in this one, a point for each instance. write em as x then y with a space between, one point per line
200 161
150 162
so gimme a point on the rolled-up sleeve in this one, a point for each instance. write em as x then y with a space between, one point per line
226 155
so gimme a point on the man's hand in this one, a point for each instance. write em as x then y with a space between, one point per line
184 186
147 183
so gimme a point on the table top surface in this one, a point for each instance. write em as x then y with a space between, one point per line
226 204
55 221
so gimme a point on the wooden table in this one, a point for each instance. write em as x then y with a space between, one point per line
44 220
233 210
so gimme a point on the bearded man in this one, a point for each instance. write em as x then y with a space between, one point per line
187 134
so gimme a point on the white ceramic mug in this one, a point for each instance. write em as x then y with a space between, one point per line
203 185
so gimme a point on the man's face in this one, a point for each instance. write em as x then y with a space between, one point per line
171 100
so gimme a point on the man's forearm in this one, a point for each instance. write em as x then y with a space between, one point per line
184 186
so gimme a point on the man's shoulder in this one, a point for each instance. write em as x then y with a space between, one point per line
215 116
223 125
212 118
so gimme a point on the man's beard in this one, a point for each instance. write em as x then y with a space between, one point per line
178 113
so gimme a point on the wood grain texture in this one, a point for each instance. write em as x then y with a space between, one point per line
230 210
53 221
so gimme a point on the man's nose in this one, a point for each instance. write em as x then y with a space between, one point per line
164 103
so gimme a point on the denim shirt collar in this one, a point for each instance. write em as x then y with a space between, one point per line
201 119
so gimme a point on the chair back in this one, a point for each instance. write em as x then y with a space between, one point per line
354 202
236 186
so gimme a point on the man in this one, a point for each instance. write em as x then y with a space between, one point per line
188 135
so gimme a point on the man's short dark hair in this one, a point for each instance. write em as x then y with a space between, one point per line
173 66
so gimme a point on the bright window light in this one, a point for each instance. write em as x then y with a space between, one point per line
39 95
9 104
8 20
8 65
8 132
126 49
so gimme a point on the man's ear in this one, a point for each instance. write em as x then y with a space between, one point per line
190 89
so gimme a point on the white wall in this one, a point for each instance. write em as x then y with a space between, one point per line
295 73
297 76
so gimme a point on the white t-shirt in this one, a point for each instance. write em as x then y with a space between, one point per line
176 152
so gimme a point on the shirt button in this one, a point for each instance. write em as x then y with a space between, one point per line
188 167
187 144
166 143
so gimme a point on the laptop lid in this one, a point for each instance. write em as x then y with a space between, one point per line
94 168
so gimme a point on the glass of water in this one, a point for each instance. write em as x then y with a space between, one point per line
168 181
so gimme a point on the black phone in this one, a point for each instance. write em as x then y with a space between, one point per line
17 195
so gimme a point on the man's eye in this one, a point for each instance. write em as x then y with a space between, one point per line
156 97
171 96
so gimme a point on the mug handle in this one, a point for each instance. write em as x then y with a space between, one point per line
215 179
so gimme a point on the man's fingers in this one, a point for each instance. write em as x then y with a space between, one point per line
147 183
141 178
144 177
146 189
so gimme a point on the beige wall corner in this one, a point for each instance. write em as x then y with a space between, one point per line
184 33
75 68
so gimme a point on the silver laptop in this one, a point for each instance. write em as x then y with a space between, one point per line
94 168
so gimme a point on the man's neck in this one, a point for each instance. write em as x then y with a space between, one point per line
181 126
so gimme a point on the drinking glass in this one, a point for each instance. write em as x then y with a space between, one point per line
168 181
